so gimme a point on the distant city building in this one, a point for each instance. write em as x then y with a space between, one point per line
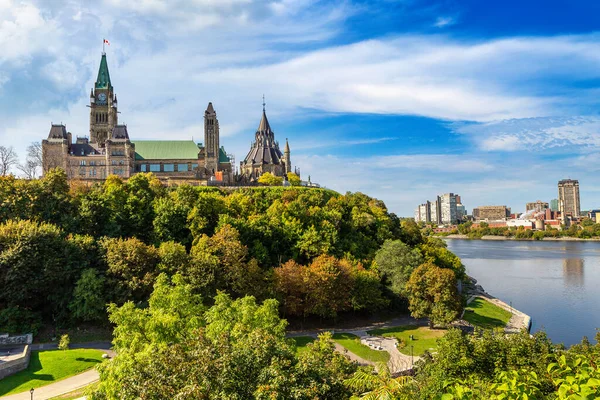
444 210
554 204
568 198
448 207
536 206
491 213
461 211
594 215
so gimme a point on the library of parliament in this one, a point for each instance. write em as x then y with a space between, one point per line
110 151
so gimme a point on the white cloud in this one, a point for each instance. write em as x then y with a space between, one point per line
580 133
441 22
23 30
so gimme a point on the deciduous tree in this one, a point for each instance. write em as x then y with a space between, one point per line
432 293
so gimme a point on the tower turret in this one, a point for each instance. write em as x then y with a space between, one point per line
287 158
103 106
211 140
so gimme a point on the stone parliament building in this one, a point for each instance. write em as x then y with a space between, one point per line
110 151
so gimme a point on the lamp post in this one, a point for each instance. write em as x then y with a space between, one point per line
31 391
411 357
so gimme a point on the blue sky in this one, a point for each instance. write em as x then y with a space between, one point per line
402 100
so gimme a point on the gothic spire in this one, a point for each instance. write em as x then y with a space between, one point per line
264 126
103 80
287 146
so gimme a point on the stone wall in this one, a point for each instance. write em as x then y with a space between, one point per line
11 341
14 365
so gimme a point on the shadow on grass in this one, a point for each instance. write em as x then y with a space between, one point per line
89 360
344 335
13 381
484 321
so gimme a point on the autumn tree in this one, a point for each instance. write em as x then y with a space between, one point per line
293 179
432 293
268 179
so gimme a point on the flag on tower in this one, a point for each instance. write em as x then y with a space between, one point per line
107 42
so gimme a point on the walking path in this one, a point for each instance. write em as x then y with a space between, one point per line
397 363
68 384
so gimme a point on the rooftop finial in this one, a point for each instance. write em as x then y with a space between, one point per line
264 104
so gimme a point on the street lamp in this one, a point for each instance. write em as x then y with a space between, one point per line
411 357
31 391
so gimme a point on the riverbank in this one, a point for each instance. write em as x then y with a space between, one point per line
518 320
503 238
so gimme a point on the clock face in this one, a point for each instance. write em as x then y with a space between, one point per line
102 97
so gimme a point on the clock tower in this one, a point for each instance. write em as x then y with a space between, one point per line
103 106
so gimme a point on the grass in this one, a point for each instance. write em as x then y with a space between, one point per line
302 342
46 367
353 344
484 314
423 337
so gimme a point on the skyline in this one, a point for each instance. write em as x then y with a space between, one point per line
402 100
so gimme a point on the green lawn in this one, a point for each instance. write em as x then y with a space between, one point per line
49 366
302 342
484 314
423 337
353 344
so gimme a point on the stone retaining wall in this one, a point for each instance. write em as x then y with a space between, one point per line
19 363
12 341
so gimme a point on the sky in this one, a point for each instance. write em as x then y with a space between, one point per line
399 99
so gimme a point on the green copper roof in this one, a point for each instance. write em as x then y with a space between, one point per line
103 80
166 150
223 156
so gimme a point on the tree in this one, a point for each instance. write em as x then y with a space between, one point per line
8 159
89 299
64 342
432 293
379 386
396 262
237 349
33 162
268 179
293 179
132 268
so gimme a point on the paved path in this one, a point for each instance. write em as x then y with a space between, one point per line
398 362
66 385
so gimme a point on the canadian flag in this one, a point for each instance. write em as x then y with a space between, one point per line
107 42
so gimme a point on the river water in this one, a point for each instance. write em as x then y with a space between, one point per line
556 283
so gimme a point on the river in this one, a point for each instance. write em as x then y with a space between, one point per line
556 283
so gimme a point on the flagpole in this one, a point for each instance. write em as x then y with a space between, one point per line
103 41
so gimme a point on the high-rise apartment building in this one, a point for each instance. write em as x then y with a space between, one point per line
448 208
568 198
444 210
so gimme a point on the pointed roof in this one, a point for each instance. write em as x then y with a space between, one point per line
287 146
264 123
103 80
210 109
